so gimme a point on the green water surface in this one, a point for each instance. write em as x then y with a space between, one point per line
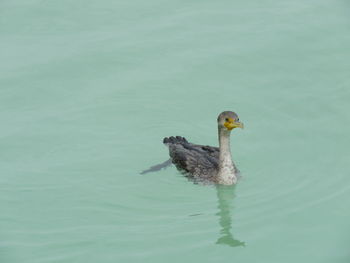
88 90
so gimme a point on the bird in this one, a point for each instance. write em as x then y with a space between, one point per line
203 163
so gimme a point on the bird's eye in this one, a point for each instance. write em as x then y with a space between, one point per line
237 119
226 119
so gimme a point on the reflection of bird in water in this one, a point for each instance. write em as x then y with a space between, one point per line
225 196
207 163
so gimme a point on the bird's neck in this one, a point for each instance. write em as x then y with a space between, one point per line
226 173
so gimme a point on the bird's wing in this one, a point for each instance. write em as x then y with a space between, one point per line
197 160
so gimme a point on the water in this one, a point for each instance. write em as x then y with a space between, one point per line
90 88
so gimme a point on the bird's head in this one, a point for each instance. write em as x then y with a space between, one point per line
228 120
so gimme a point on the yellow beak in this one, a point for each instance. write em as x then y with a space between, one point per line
231 124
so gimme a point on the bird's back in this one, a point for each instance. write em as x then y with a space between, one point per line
197 161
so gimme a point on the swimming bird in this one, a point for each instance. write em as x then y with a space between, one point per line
207 163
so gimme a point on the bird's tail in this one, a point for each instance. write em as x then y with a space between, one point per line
157 167
166 141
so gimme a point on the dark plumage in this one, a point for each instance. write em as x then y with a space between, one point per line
206 163
197 161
